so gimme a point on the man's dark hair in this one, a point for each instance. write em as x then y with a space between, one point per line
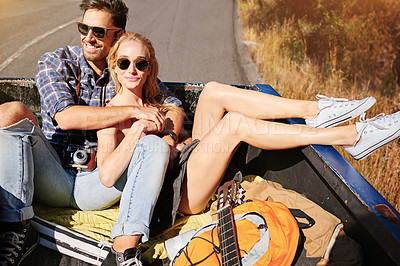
117 9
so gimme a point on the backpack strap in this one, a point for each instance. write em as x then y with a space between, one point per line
300 214
176 246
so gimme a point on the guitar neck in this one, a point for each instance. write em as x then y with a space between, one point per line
227 235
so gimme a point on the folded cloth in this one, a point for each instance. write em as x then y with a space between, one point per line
317 236
94 224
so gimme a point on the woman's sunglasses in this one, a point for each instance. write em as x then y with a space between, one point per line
98 32
141 64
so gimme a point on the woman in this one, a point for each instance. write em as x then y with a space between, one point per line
225 116
130 154
244 121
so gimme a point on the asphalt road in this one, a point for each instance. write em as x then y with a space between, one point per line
194 40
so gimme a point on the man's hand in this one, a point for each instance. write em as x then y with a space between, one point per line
173 150
172 156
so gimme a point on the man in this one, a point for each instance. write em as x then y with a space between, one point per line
73 83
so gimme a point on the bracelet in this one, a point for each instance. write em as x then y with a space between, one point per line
172 135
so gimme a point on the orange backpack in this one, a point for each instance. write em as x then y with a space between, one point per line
266 234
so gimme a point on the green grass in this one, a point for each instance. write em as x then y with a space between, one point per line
340 48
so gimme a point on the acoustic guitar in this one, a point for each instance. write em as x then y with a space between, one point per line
229 196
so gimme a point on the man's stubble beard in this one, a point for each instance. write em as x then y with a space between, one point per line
94 57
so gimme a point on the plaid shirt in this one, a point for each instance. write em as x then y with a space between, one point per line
57 79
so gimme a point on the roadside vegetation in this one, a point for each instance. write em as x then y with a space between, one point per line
340 48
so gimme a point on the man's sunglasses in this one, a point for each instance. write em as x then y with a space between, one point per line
98 32
141 64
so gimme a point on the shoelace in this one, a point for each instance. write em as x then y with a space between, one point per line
11 239
102 244
372 122
320 97
330 99
133 261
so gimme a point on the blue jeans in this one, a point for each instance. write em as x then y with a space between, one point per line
29 165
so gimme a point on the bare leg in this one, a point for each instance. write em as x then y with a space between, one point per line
217 98
13 112
209 160
121 243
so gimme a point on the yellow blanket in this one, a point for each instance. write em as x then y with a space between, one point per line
94 224
98 224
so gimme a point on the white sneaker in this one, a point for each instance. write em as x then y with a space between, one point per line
374 133
334 111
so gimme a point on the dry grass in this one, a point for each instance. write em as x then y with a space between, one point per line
297 73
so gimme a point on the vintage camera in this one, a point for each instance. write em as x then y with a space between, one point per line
81 158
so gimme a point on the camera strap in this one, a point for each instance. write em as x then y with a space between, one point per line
76 96
78 85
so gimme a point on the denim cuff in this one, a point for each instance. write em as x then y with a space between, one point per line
25 125
130 230
11 216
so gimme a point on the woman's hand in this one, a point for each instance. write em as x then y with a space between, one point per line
149 127
153 115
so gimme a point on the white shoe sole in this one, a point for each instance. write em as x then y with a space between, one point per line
359 110
367 151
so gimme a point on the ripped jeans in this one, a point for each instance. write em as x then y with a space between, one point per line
30 166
